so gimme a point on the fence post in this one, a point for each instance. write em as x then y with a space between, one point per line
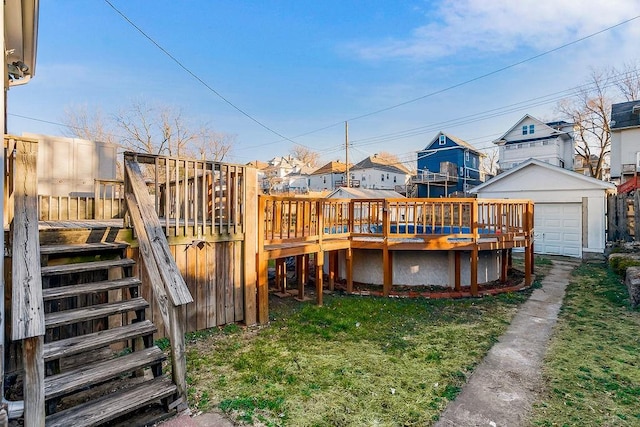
611 218
623 228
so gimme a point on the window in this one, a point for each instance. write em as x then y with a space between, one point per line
387 176
524 129
443 140
394 179
475 162
324 179
466 156
382 177
531 129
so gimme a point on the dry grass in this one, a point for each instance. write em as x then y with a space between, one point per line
592 370
355 361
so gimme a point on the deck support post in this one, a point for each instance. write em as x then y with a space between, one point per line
474 271
333 269
527 265
457 284
301 275
263 289
319 263
504 265
387 271
349 268
281 275
528 250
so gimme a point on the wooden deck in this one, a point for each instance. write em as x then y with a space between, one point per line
300 228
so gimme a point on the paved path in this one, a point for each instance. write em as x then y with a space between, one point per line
503 387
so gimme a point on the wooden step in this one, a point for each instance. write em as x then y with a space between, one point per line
113 405
80 248
99 372
88 288
80 267
67 317
82 343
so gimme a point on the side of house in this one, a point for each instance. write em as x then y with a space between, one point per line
327 177
530 138
447 165
625 141
380 173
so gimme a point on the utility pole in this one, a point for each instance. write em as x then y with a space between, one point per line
346 147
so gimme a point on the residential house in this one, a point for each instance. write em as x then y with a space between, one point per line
328 177
381 173
530 138
284 174
625 141
447 166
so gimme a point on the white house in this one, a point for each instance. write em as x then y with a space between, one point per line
625 141
327 177
569 212
530 138
282 174
380 173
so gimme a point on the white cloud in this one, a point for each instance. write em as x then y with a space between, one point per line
485 26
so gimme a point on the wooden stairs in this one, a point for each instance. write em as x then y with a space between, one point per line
101 364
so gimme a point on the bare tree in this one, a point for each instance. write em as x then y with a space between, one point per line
85 124
489 162
590 110
153 129
305 154
388 157
628 81
213 145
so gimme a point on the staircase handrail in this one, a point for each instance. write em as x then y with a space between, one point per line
170 289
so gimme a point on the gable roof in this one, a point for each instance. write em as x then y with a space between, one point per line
552 168
553 125
381 163
623 115
331 167
462 143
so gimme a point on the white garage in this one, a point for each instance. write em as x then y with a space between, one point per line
570 209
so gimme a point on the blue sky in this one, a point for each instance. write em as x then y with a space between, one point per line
298 66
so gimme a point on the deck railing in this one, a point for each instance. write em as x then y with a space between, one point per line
194 197
288 219
106 202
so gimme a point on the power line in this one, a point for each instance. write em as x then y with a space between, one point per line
195 76
474 79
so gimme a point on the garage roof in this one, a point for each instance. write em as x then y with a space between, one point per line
584 181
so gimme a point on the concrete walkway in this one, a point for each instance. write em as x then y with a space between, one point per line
503 387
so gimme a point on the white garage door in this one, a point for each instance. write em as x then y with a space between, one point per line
558 229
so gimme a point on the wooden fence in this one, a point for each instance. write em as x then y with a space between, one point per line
208 211
623 217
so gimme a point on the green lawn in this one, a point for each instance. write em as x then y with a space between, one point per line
592 370
355 361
